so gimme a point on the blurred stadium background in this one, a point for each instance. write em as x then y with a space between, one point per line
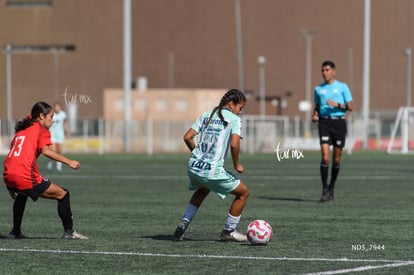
186 53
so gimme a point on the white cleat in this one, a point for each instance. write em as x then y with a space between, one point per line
73 236
232 236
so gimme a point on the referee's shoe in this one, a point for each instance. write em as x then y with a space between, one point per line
327 195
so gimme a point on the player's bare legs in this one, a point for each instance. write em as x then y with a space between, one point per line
199 196
58 148
325 153
195 202
229 232
54 192
242 193
64 210
337 154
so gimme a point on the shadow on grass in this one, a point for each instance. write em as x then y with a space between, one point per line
186 239
287 199
2 237
160 237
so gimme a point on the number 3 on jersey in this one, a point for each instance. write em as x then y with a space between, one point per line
17 146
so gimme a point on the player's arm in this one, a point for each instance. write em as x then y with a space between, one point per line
315 115
48 152
189 138
348 106
235 150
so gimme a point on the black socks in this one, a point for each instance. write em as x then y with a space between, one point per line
18 210
65 212
324 168
324 174
334 175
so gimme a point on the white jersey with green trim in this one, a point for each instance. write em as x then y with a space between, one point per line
207 158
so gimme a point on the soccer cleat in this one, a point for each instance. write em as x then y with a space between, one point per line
331 196
73 235
325 195
179 232
232 236
16 236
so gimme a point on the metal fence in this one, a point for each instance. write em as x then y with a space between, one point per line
259 135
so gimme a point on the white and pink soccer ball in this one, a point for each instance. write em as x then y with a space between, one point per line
259 232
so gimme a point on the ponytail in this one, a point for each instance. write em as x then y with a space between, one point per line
37 109
23 123
234 95
217 108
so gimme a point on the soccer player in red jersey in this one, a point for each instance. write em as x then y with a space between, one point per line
21 174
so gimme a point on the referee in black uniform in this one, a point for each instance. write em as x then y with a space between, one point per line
332 100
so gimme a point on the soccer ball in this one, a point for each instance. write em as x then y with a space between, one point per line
259 232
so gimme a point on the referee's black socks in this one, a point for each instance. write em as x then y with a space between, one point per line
324 174
334 175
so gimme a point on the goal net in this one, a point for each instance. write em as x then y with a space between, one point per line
261 135
402 135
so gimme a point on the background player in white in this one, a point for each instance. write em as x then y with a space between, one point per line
58 132
218 129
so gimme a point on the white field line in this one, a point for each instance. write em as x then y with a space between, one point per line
388 263
124 253
362 268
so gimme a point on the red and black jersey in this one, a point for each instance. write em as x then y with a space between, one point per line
21 170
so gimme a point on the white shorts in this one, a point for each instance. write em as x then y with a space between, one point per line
58 138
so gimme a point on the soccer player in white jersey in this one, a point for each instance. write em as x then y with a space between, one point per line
333 100
218 129
58 132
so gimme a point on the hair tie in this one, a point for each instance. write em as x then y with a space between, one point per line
29 116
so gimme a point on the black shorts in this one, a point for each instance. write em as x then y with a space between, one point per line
332 132
36 191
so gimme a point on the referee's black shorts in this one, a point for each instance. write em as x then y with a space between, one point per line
332 131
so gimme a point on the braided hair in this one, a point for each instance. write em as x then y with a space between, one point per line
37 109
233 95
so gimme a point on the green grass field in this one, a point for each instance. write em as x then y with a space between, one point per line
129 206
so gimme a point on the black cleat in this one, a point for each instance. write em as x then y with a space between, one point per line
325 195
331 196
16 236
179 232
